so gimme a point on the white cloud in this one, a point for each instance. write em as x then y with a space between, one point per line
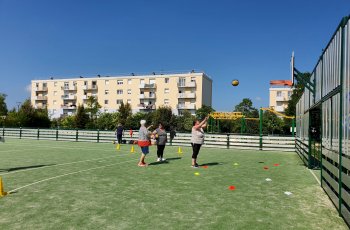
258 98
28 88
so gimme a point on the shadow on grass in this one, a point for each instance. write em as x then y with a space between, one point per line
211 164
158 163
173 158
24 168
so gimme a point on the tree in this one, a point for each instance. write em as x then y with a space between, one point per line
204 111
272 123
92 107
185 121
107 121
3 106
133 122
247 109
164 115
124 112
81 118
68 122
296 95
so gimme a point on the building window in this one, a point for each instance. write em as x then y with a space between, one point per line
193 79
166 101
152 81
55 93
166 80
55 102
106 92
129 91
279 93
129 101
55 83
182 81
106 82
166 90
54 111
119 82
119 91
119 102
106 102
142 81
129 81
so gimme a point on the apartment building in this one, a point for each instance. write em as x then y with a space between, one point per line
186 91
280 93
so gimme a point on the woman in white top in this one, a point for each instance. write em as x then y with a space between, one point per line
197 139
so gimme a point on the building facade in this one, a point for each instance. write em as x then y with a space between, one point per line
188 91
280 93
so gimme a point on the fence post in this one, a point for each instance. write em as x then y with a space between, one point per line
38 134
76 135
20 132
57 134
98 135
260 130
228 141
3 131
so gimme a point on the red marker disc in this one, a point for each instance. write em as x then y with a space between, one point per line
232 187
205 166
276 164
266 168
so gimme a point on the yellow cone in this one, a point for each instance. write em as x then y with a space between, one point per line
2 192
118 147
179 151
132 150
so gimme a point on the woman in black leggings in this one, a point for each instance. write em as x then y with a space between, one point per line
197 139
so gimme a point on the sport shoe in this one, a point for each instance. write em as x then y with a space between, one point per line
163 159
159 159
194 166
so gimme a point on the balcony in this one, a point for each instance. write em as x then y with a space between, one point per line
40 98
89 87
281 98
187 95
147 86
188 106
69 97
40 106
279 109
40 89
147 96
146 107
69 88
190 84
70 107
85 97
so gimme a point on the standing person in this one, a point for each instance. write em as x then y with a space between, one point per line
144 142
119 133
172 134
197 139
161 137
131 132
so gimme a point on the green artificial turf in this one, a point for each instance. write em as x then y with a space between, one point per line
106 189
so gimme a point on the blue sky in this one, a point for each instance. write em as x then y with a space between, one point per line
249 40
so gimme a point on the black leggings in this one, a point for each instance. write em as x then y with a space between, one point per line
119 137
195 150
160 151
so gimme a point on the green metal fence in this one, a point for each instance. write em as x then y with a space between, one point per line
228 141
323 119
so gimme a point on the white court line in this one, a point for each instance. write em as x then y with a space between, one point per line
63 175
58 147
75 162
12 150
315 176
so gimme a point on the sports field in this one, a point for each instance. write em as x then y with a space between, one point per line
74 185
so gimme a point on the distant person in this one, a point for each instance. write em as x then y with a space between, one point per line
131 133
172 134
144 142
119 133
161 137
197 139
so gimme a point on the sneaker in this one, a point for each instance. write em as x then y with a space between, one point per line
194 166
159 159
163 159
